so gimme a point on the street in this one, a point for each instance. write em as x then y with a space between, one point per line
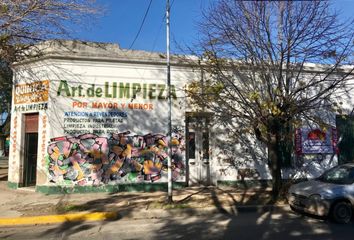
276 224
279 223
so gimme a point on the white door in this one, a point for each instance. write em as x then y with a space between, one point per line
198 150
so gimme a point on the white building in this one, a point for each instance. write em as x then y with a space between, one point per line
93 117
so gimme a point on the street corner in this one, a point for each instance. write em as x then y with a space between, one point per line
52 219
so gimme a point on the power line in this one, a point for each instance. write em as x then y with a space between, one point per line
141 25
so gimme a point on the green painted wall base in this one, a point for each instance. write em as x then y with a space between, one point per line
13 185
138 187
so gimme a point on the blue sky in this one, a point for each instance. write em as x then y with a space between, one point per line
123 18
3 117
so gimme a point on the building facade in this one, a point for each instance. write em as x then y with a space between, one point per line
94 117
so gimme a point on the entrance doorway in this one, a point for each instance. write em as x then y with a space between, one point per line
31 146
198 156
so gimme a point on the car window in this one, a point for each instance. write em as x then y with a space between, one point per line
339 175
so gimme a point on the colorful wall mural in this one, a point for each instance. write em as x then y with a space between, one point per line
122 157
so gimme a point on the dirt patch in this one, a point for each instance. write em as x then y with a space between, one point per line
36 210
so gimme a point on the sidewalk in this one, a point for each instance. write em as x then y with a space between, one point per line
25 202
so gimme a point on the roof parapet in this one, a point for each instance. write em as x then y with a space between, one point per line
75 49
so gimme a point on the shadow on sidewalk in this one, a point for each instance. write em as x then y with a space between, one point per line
259 223
3 172
66 229
228 200
3 178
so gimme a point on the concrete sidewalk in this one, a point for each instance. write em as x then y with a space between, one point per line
25 206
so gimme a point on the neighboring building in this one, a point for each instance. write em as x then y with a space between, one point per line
94 117
4 136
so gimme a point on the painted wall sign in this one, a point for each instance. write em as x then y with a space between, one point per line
31 107
116 90
111 133
31 96
101 123
31 92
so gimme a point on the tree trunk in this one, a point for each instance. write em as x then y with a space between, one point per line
275 168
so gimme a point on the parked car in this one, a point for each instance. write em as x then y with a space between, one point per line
330 195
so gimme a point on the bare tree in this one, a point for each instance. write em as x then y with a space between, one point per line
24 23
256 55
5 87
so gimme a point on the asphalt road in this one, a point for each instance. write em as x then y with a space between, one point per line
277 224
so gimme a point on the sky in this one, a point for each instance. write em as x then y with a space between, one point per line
123 18
3 117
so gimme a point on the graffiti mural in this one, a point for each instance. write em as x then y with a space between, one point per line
89 159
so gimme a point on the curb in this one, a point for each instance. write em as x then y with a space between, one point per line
73 217
141 214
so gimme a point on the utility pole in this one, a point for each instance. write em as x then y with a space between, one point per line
169 161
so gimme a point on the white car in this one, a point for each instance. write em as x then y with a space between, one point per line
330 195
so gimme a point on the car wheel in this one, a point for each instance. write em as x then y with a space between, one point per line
342 212
292 208
297 211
